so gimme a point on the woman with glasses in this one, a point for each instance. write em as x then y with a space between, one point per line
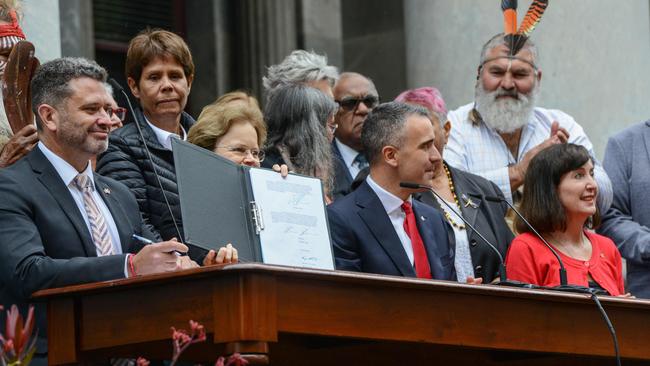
232 127
297 117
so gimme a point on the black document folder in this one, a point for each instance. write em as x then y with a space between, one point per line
218 207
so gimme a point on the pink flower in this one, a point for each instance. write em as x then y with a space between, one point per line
236 360
141 361
16 342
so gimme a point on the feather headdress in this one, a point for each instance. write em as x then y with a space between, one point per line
517 38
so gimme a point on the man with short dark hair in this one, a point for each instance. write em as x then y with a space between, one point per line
379 228
62 224
356 96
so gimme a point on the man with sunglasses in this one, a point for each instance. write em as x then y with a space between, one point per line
356 96
498 134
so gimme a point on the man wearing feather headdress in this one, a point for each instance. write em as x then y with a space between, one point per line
13 146
498 134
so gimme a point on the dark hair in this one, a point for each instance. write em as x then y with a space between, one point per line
152 43
296 116
385 126
540 203
50 84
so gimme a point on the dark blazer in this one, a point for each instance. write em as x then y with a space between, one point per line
487 217
126 161
365 241
342 177
45 241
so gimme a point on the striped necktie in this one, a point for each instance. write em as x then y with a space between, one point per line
98 225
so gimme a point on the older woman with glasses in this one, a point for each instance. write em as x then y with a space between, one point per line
232 127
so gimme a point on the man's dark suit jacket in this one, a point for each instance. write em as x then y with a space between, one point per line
44 241
365 241
487 217
342 177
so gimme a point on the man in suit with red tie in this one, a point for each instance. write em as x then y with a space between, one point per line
379 228
60 223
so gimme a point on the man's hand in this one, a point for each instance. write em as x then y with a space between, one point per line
225 255
517 172
283 169
160 257
19 145
474 281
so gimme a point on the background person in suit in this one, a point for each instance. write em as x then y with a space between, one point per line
627 222
356 96
474 261
61 224
378 228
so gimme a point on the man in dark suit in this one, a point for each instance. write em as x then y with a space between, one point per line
61 224
379 228
356 96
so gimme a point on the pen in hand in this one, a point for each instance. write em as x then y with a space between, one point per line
146 241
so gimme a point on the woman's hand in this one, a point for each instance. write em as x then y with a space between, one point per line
283 170
225 255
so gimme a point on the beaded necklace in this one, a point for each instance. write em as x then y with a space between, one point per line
460 226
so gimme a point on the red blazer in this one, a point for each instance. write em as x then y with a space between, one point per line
529 260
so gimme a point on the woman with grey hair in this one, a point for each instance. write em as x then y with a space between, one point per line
301 67
297 118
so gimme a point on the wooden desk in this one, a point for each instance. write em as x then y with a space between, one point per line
295 316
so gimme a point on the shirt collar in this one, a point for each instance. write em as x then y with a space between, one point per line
66 171
347 153
165 137
390 201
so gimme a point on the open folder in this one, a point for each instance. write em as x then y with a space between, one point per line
268 218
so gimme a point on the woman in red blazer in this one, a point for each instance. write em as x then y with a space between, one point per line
560 202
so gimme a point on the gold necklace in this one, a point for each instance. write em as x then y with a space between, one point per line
460 226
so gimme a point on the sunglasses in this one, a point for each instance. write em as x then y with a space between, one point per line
352 103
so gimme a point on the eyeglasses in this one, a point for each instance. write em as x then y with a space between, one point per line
352 103
331 127
242 152
120 113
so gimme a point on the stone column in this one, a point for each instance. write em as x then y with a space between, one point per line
593 56
41 26
321 29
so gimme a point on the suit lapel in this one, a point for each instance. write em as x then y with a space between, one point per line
52 181
340 164
117 211
376 219
646 138
469 205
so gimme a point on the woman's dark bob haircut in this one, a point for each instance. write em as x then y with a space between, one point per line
541 204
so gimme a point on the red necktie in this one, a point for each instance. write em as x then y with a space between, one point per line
422 268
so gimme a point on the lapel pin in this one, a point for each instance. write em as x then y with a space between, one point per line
423 218
106 190
469 202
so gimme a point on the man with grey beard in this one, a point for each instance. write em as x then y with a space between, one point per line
498 134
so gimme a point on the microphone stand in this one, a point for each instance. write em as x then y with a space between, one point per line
117 86
503 277
564 285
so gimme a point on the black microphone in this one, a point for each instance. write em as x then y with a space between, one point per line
118 87
503 277
563 279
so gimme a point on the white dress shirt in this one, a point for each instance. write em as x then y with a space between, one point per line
393 206
165 137
479 149
349 154
67 173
